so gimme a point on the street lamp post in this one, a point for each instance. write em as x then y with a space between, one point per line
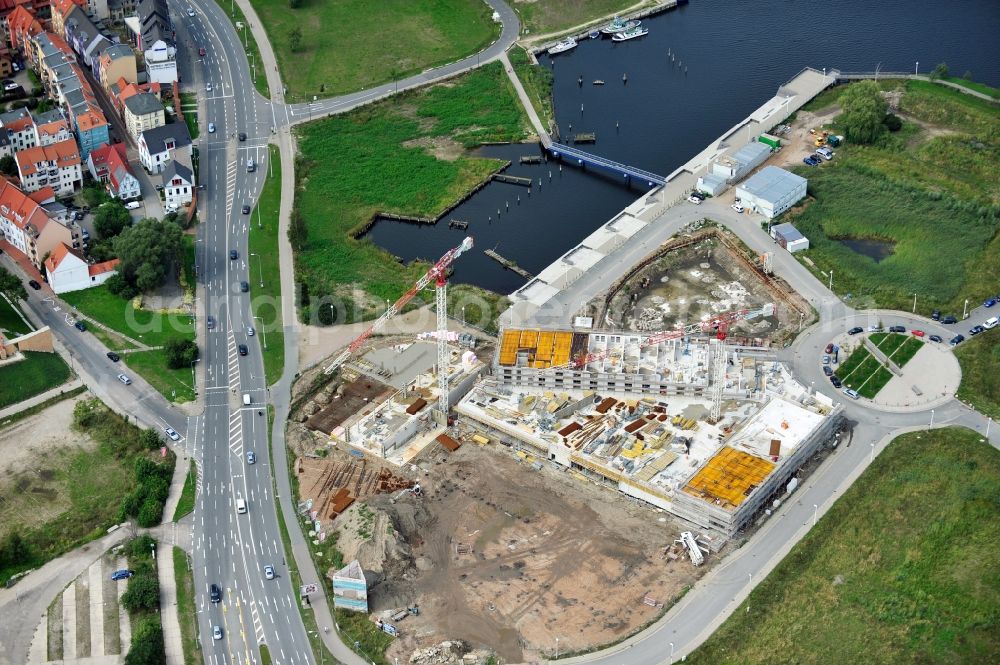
831 280
815 513
914 303
194 381
932 417
989 422
263 331
671 652
965 309
916 68
872 458
260 268
557 647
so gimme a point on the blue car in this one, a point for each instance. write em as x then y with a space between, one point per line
810 160
990 302
121 575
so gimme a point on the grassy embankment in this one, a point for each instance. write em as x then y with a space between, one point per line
863 372
189 106
975 85
352 45
347 160
980 360
264 257
35 374
902 569
185 504
235 14
549 16
11 320
186 610
88 488
930 190
150 328
537 82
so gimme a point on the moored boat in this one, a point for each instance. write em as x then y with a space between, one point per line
562 46
637 31
619 25
599 82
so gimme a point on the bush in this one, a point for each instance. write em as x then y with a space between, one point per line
147 643
140 547
892 122
863 112
180 353
143 593
150 513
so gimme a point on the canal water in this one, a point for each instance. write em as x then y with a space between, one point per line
735 54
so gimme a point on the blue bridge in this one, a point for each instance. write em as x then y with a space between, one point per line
581 158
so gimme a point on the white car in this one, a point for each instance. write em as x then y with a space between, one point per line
124 379
211 128
991 322
172 434
738 207
191 13
250 331
694 199
208 87
172 207
216 633
850 392
269 572
133 205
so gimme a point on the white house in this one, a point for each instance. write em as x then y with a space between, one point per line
178 184
57 166
158 146
68 271
109 164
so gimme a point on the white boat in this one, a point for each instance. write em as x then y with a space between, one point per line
562 46
637 31
619 25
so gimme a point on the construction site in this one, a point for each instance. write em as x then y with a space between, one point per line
701 274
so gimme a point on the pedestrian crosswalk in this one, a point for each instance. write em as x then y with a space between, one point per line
258 626
230 186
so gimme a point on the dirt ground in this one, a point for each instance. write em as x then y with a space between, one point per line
513 558
31 456
695 283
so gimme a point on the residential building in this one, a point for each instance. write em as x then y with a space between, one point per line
27 227
143 111
66 270
178 183
6 62
60 10
22 25
85 38
109 164
53 131
116 63
19 128
160 145
99 8
771 191
154 37
122 90
57 165
119 10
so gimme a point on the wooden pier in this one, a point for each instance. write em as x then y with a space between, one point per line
585 137
512 179
508 264
458 224
531 159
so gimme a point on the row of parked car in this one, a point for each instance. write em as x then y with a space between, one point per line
817 157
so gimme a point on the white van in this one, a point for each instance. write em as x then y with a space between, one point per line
241 505
246 399
991 322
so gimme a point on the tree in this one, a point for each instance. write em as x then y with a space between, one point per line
892 122
863 109
147 643
143 593
94 196
297 232
147 251
150 513
11 285
940 72
180 352
150 439
8 165
14 550
294 4
111 219
295 39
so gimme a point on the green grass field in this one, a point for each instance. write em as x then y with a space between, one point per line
185 504
174 384
264 266
11 321
537 82
346 161
863 372
902 569
931 194
351 45
150 328
980 361
975 85
909 348
35 374
189 105
546 16
186 610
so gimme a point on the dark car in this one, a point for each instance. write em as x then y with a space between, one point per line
827 370
949 320
936 315
975 330
243 349
855 330
35 285
244 287
246 209
810 160
233 254
835 380
201 51
210 322
121 575
215 593
989 302
243 136
935 338
897 329
957 339
81 326
78 216
829 348
113 357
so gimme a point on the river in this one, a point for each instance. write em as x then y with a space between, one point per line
736 54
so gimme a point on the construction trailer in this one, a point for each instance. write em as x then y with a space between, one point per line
736 166
771 191
789 237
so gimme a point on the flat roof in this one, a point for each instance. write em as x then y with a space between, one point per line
787 231
772 183
729 478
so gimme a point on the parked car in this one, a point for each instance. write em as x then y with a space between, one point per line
935 338
738 207
124 379
132 205
694 199
81 326
826 153
975 330
948 320
34 284
827 370
243 349
835 380
829 348
215 593
171 434
874 329
989 302
850 392
936 315
918 333
121 575
991 322
855 330
810 161
251 457
700 195
233 254
113 357
244 287
826 360
269 572
897 329
957 339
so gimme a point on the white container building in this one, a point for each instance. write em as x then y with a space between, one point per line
772 191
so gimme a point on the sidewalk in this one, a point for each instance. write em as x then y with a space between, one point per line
38 399
172 643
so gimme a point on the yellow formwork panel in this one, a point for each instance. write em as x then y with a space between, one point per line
529 339
562 345
728 477
543 353
508 347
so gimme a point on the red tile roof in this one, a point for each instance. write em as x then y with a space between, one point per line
101 268
20 209
44 195
65 154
